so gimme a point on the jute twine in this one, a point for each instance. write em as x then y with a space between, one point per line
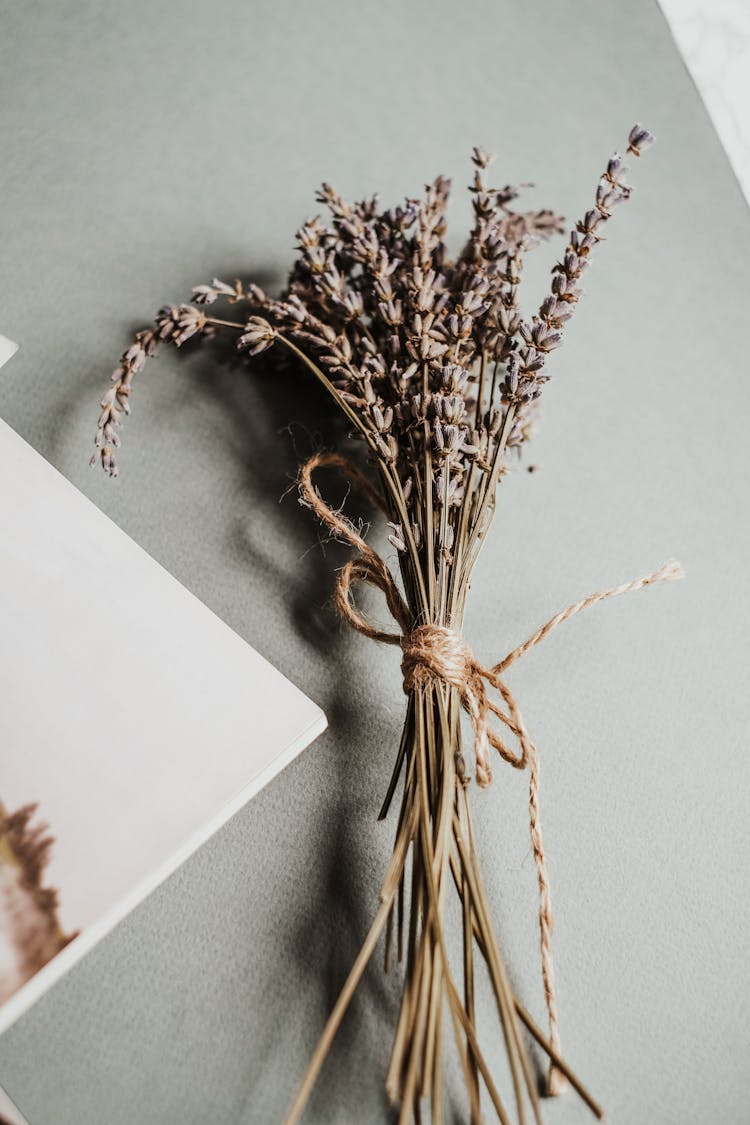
440 655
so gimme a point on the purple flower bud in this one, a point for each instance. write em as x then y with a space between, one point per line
639 139
616 167
481 158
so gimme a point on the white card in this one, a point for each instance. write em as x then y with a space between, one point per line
7 349
134 718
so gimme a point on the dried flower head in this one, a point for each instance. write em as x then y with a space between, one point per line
431 359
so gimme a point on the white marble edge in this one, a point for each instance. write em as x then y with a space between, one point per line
713 37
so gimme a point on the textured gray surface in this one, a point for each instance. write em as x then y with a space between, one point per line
147 148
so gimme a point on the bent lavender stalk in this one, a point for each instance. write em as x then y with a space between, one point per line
438 373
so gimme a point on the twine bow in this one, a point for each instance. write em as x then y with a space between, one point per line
436 653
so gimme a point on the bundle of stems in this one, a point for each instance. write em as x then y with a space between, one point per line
438 373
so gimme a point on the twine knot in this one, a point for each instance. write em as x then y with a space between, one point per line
437 654
434 652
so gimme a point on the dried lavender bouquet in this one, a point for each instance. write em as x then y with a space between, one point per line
438 373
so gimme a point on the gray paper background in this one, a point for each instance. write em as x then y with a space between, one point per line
148 147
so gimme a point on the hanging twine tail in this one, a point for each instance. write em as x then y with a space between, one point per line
439 654
670 572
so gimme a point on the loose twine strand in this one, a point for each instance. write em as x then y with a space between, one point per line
437 654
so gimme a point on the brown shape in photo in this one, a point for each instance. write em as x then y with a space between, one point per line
30 933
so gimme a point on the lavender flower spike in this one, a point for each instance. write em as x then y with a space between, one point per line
639 140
